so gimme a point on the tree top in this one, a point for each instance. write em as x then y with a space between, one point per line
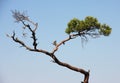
88 26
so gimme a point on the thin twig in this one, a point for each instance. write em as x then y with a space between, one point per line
64 41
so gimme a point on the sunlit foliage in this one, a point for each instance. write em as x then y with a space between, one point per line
88 26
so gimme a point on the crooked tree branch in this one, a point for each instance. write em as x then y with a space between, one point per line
27 47
20 42
50 54
56 60
85 73
64 41
33 33
35 24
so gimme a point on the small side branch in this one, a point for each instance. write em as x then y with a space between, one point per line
64 41
33 37
33 33
57 46
15 39
20 42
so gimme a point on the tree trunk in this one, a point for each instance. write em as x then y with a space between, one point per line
85 73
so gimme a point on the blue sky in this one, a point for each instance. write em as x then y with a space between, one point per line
101 55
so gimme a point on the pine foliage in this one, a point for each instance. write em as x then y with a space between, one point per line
88 26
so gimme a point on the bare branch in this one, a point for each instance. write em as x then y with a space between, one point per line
20 42
35 24
85 73
27 47
19 16
64 41
33 34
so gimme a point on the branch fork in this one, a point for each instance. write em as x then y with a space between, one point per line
22 18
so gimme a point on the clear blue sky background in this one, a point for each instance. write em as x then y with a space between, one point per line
101 56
